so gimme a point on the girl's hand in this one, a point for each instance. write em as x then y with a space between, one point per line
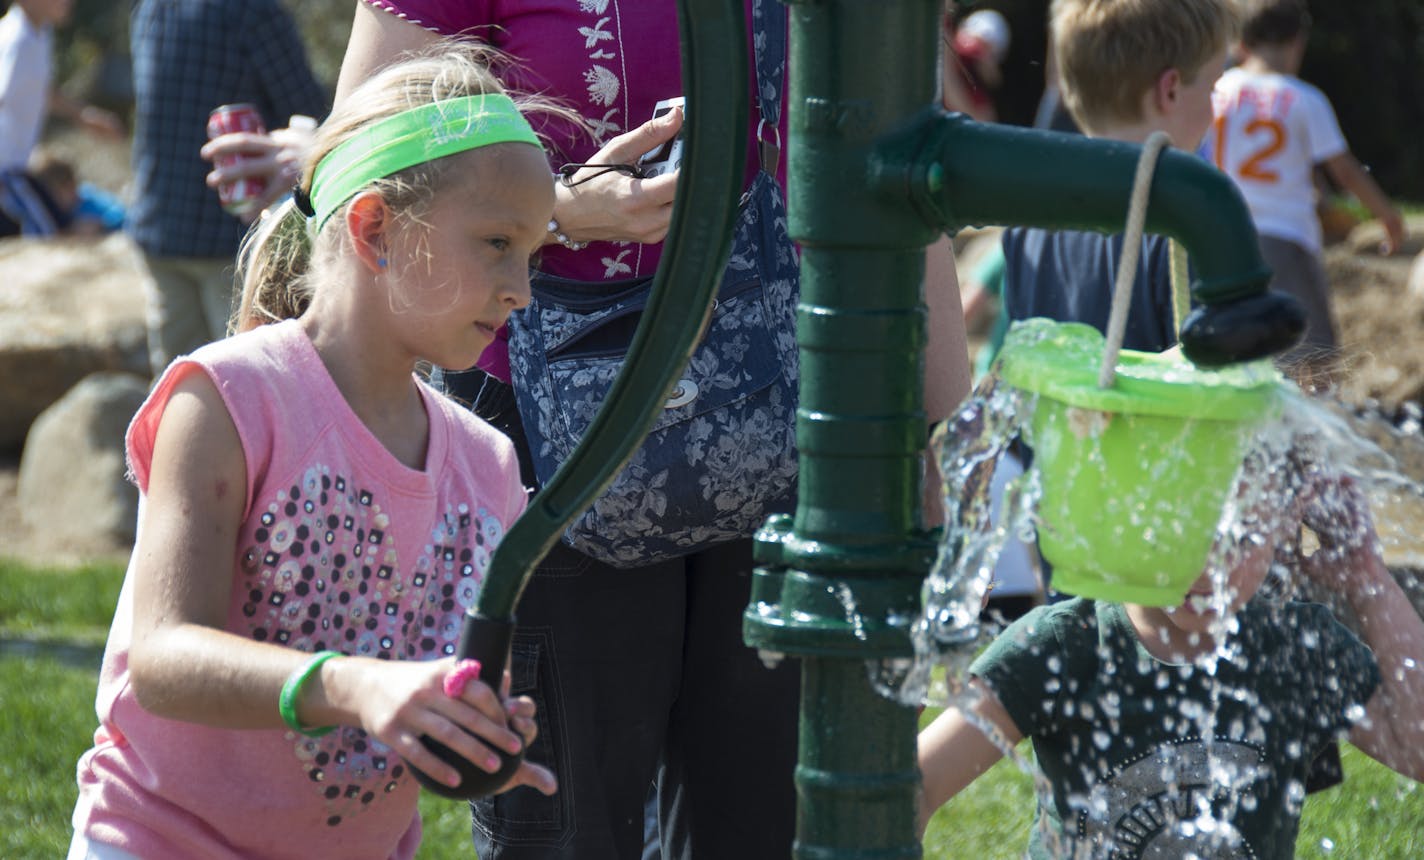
521 719
398 702
615 207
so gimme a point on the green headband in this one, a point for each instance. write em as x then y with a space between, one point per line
409 138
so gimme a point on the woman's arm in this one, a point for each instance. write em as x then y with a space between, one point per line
377 39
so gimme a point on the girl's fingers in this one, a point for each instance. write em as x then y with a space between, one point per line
527 727
486 719
475 748
520 706
410 748
537 777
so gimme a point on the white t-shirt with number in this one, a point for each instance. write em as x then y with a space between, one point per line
1268 133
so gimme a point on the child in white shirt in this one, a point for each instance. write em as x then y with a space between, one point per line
1269 131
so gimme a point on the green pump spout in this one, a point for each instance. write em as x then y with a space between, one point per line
969 173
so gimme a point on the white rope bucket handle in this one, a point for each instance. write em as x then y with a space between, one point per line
1132 253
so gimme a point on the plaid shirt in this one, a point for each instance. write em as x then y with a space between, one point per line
190 56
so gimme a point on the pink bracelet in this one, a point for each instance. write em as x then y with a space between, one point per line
464 672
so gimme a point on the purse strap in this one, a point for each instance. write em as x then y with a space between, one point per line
769 47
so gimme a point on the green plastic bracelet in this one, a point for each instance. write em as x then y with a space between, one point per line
287 702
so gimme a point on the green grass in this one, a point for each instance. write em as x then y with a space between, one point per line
47 695
72 606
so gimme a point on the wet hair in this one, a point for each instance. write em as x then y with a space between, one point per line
1110 53
280 259
1272 22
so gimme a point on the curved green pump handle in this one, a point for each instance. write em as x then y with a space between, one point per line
694 255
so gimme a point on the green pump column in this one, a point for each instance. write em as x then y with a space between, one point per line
839 585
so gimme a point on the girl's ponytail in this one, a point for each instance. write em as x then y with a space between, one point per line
272 267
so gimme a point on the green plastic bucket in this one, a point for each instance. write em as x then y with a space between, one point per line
1135 476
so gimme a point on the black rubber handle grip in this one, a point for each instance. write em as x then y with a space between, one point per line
1242 330
486 640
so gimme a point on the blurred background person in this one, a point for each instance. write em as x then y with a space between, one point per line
975 48
189 58
27 98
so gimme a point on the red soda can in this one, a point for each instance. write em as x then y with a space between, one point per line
237 197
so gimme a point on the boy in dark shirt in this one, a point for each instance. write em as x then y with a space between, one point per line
1126 70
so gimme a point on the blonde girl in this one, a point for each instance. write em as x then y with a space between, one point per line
314 519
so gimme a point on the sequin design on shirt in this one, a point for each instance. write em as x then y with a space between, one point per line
322 571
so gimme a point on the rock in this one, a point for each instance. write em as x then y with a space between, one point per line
72 487
68 308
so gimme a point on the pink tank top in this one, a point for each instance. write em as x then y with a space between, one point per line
342 547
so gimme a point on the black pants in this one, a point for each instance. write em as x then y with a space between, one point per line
639 675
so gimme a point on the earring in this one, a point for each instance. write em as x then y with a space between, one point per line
381 261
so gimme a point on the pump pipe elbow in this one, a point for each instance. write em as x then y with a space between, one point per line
1008 176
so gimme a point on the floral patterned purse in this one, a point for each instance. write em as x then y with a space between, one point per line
722 456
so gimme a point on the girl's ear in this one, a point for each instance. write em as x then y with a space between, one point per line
368 222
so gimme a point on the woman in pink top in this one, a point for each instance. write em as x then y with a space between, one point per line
315 520
641 674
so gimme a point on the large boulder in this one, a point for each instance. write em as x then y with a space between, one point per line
68 308
72 491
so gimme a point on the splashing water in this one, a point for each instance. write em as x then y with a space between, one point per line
1311 443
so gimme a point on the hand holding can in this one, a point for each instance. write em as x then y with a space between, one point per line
241 195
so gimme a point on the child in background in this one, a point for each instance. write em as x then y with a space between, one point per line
1190 731
1270 130
27 98
315 520
87 210
974 54
1127 68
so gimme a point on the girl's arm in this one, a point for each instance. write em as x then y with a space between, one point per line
184 665
1349 563
953 752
